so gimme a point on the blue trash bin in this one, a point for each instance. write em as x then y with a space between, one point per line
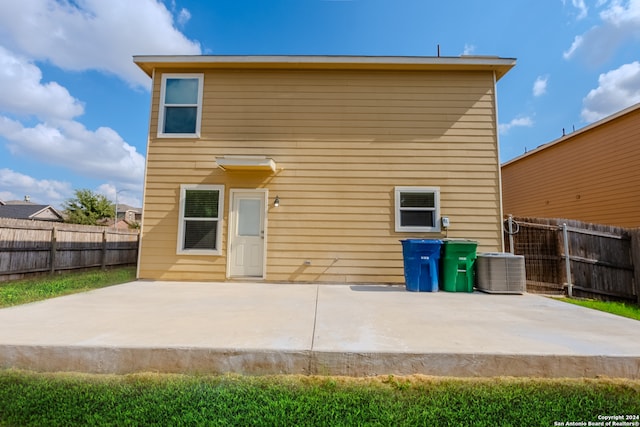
421 259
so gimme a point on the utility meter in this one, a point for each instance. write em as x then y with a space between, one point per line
445 221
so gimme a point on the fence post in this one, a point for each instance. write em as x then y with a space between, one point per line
511 234
104 249
54 248
635 259
137 247
567 259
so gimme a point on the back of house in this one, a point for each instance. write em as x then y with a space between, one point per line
312 169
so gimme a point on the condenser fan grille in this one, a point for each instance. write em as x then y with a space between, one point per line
501 273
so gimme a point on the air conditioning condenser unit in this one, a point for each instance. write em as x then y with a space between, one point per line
501 273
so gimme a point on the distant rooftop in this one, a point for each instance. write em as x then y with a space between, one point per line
124 208
19 202
26 210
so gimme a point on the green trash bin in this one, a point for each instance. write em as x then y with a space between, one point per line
458 262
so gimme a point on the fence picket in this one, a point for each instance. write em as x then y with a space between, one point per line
54 246
30 247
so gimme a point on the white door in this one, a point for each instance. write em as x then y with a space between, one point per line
246 236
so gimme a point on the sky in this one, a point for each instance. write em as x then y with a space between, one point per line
74 108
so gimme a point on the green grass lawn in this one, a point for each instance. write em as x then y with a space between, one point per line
28 398
619 308
43 287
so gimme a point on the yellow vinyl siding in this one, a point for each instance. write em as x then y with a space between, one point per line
342 141
591 176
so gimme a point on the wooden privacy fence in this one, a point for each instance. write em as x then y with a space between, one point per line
28 247
587 260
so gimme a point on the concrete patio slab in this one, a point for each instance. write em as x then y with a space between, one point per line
266 328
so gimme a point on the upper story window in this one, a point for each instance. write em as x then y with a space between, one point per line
417 209
180 105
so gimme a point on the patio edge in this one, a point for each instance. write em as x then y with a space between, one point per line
112 360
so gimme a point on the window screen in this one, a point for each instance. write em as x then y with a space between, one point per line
416 209
200 218
200 234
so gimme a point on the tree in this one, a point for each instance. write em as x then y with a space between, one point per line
87 208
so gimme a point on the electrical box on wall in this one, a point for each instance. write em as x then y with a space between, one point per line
445 221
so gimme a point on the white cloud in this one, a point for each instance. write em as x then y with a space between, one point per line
75 35
620 13
617 89
540 86
620 23
56 139
94 34
23 93
582 8
125 195
100 154
577 42
183 17
517 122
468 49
16 185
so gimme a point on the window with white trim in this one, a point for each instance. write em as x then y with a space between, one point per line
200 227
180 105
417 209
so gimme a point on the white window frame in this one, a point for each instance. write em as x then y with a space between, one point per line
182 219
163 87
436 209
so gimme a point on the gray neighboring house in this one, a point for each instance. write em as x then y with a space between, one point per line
129 213
18 209
128 217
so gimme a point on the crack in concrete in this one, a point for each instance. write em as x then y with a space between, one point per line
313 332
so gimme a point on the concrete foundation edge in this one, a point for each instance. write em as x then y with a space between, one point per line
110 360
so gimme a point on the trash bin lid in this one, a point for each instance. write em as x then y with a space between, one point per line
430 241
459 241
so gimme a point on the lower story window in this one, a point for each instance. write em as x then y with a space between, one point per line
417 209
200 227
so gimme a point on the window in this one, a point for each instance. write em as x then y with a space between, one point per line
180 105
201 208
417 209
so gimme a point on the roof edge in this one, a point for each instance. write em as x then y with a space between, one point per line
501 65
